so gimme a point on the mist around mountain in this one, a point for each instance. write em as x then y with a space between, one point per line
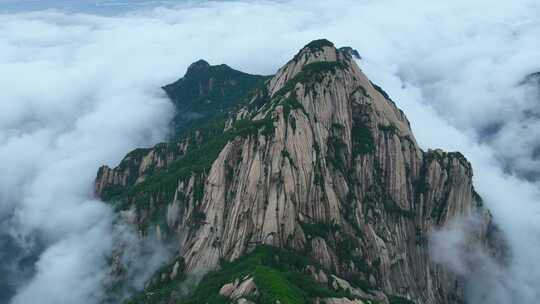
80 90
312 189
104 7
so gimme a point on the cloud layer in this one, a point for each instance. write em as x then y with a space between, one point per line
80 90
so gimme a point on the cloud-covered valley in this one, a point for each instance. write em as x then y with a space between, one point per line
80 90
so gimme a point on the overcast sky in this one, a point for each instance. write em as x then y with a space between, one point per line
103 7
81 86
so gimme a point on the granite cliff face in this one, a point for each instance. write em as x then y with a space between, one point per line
318 161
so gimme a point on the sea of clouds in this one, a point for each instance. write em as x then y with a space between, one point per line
79 90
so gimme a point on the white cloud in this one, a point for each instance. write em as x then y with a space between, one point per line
81 90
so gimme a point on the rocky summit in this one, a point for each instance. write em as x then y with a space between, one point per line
309 188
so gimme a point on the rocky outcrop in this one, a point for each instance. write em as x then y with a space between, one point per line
352 52
238 290
136 166
321 161
338 301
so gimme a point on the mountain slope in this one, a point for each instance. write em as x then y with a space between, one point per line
266 275
320 162
206 92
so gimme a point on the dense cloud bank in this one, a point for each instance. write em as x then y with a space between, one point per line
71 101
80 90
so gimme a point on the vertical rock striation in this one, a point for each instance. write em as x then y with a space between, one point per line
320 161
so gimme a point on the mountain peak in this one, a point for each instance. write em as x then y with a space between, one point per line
317 161
318 45
317 50
200 64
207 91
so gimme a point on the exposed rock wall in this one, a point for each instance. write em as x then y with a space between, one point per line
339 177
136 166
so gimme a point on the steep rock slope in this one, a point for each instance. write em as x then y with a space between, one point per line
321 162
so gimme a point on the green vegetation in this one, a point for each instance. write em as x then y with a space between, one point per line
392 207
380 90
445 158
112 191
199 216
461 158
337 148
422 186
207 92
438 209
345 248
161 291
391 128
197 160
317 45
338 126
357 280
279 276
256 99
318 178
246 127
478 199
212 91
291 103
136 154
336 153
314 46
276 287
378 194
287 155
203 97
349 211
198 190
362 139
311 73
322 230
